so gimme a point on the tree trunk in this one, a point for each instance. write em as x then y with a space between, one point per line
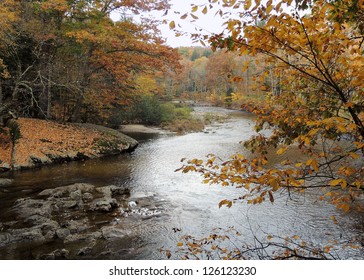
49 91
76 114
1 103
16 88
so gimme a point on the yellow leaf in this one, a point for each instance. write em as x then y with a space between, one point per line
354 155
194 9
269 9
273 183
282 150
179 244
247 4
341 128
313 132
314 165
344 184
335 182
359 145
204 11
333 219
172 25
352 126
344 207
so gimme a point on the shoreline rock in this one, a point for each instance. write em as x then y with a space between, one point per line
74 221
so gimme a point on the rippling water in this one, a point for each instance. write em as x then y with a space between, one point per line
184 204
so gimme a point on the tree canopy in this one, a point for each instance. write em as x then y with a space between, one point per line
315 51
71 60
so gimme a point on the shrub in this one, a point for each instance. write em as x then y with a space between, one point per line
147 109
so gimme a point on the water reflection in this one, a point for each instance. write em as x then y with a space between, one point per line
183 201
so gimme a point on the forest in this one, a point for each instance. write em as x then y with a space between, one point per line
69 61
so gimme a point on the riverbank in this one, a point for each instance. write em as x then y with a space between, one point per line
140 128
45 142
197 122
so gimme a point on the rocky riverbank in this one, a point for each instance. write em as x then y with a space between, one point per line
44 142
72 222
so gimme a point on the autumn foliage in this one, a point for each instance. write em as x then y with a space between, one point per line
42 142
315 51
77 60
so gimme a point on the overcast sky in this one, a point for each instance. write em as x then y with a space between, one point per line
209 23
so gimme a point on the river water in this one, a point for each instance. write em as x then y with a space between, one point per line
182 205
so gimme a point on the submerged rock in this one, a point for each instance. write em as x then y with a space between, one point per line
56 255
113 232
5 182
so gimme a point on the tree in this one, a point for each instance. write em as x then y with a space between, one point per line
69 60
317 56
7 18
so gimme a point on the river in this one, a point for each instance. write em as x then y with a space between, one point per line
171 204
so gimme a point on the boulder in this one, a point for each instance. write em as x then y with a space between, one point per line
27 235
58 254
77 226
67 204
63 233
120 190
87 197
76 195
104 204
39 160
5 167
28 207
5 238
106 191
5 182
